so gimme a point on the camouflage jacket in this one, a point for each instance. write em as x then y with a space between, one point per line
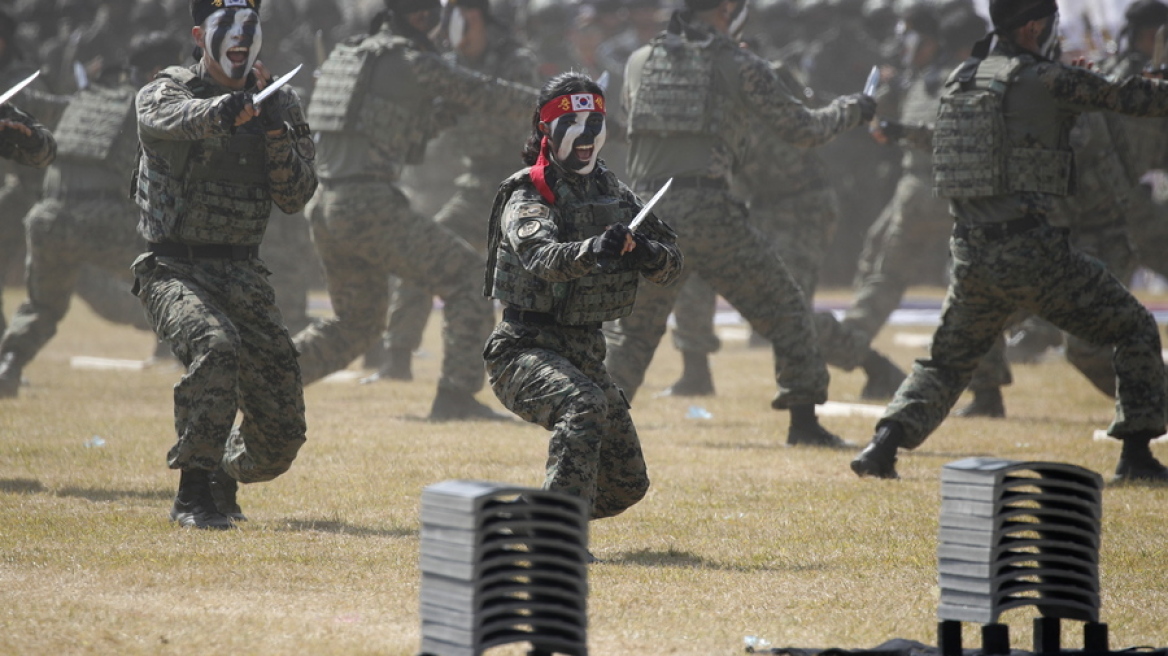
169 111
1040 107
37 150
751 88
1145 139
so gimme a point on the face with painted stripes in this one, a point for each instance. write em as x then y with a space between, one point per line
232 40
575 140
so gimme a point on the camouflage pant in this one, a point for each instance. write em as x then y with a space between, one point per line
1113 248
221 320
61 240
913 226
287 250
739 262
554 376
15 201
410 304
1036 271
1148 221
800 228
364 232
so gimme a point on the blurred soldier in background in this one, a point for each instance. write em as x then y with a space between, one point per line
85 215
380 99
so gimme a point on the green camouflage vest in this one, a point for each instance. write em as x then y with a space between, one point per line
396 120
681 93
597 297
919 107
216 190
1103 179
972 153
91 127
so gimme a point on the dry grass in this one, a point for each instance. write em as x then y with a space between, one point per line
739 536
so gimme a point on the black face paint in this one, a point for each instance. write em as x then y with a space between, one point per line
577 130
233 28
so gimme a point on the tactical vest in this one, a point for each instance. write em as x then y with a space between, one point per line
94 124
972 151
215 191
1103 179
396 120
681 93
594 298
920 108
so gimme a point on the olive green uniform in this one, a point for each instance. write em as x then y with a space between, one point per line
206 192
377 104
546 359
1002 154
692 96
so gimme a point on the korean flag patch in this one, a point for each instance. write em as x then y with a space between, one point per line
583 102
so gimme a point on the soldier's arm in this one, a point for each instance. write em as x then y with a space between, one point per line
1083 90
531 233
291 174
24 140
168 110
472 90
795 123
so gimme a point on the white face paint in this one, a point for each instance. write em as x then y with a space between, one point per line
1047 47
738 22
456 27
232 38
575 140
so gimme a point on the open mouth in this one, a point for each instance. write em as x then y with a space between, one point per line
584 153
238 55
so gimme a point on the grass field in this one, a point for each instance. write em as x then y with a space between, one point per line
739 536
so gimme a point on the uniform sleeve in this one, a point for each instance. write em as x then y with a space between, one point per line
766 95
530 231
471 90
291 174
169 111
1082 90
37 150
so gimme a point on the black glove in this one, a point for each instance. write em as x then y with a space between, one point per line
867 107
645 255
271 116
609 245
231 108
26 142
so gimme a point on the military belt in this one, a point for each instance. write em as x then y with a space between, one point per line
205 251
516 315
687 182
998 231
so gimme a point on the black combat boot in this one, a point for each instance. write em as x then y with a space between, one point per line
805 430
695 380
884 377
878 459
223 491
194 505
454 405
396 366
1137 464
986 403
11 369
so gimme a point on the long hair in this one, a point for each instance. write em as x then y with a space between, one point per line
562 84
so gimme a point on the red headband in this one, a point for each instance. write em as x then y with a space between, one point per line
570 104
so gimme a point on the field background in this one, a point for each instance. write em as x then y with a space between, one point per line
738 537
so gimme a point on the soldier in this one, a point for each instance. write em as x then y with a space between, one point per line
212 164
83 217
380 99
480 43
693 96
1002 156
563 261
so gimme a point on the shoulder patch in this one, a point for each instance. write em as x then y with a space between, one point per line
528 229
532 210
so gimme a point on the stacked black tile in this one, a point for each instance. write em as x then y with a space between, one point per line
1019 534
502 564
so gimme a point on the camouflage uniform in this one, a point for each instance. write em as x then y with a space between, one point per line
207 191
720 243
489 153
546 358
1006 256
83 218
362 224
